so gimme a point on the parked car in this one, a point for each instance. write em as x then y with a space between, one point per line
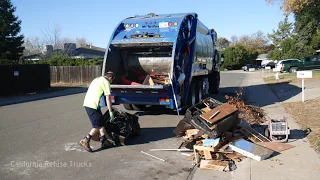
248 66
306 63
281 63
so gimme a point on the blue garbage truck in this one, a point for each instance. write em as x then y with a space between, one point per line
166 60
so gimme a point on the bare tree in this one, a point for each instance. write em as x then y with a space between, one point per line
52 37
81 41
33 45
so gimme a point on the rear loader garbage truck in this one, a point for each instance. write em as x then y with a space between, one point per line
168 60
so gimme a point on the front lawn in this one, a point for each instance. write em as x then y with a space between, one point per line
307 116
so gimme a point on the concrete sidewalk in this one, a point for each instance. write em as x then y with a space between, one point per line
298 163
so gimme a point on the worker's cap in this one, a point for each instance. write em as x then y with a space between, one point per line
109 74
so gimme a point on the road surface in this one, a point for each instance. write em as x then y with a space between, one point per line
39 140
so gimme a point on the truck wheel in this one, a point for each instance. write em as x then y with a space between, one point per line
293 69
192 96
200 89
128 106
138 107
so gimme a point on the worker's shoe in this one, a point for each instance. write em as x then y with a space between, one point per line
105 143
85 144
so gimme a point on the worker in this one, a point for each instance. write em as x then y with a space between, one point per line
98 87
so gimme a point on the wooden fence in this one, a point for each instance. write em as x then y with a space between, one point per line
74 74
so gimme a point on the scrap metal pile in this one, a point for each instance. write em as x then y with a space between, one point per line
220 134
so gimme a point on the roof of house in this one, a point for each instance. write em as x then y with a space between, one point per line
262 57
91 52
83 51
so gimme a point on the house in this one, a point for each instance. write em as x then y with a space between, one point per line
84 51
263 59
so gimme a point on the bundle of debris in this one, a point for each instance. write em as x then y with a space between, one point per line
220 135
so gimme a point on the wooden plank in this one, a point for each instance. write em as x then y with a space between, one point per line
213 165
276 146
224 110
207 155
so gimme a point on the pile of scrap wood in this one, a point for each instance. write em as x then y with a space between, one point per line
220 139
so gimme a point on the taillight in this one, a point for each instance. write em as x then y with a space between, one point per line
161 99
170 24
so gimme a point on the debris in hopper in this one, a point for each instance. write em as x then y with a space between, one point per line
148 81
251 150
152 156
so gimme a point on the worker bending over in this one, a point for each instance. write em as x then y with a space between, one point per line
98 87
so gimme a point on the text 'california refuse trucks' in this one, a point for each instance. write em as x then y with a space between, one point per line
168 60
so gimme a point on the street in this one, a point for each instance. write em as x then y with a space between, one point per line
39 140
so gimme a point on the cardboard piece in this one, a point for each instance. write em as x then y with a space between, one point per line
251 150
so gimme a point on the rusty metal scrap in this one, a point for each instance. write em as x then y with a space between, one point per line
254 115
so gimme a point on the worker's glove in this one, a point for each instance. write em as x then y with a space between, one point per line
111 116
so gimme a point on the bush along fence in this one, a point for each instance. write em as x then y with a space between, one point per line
74 74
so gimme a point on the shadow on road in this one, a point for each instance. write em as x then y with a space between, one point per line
151 134
51 93
259 95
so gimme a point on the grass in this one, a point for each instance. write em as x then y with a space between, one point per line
307 116
291 77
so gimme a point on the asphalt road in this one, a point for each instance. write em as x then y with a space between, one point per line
39 140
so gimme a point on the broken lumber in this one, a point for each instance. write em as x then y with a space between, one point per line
213 165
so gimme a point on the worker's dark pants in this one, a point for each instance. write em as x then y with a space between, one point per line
96 117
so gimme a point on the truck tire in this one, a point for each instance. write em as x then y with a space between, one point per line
128 107
192 96
293 69
200 89
138 107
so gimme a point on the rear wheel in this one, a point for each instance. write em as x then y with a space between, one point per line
128 107
293 69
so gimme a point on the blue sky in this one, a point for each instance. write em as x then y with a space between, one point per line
95 20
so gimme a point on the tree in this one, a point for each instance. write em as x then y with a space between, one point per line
289 6
10 41
222 43
254 42
284 31
32 45
237 56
